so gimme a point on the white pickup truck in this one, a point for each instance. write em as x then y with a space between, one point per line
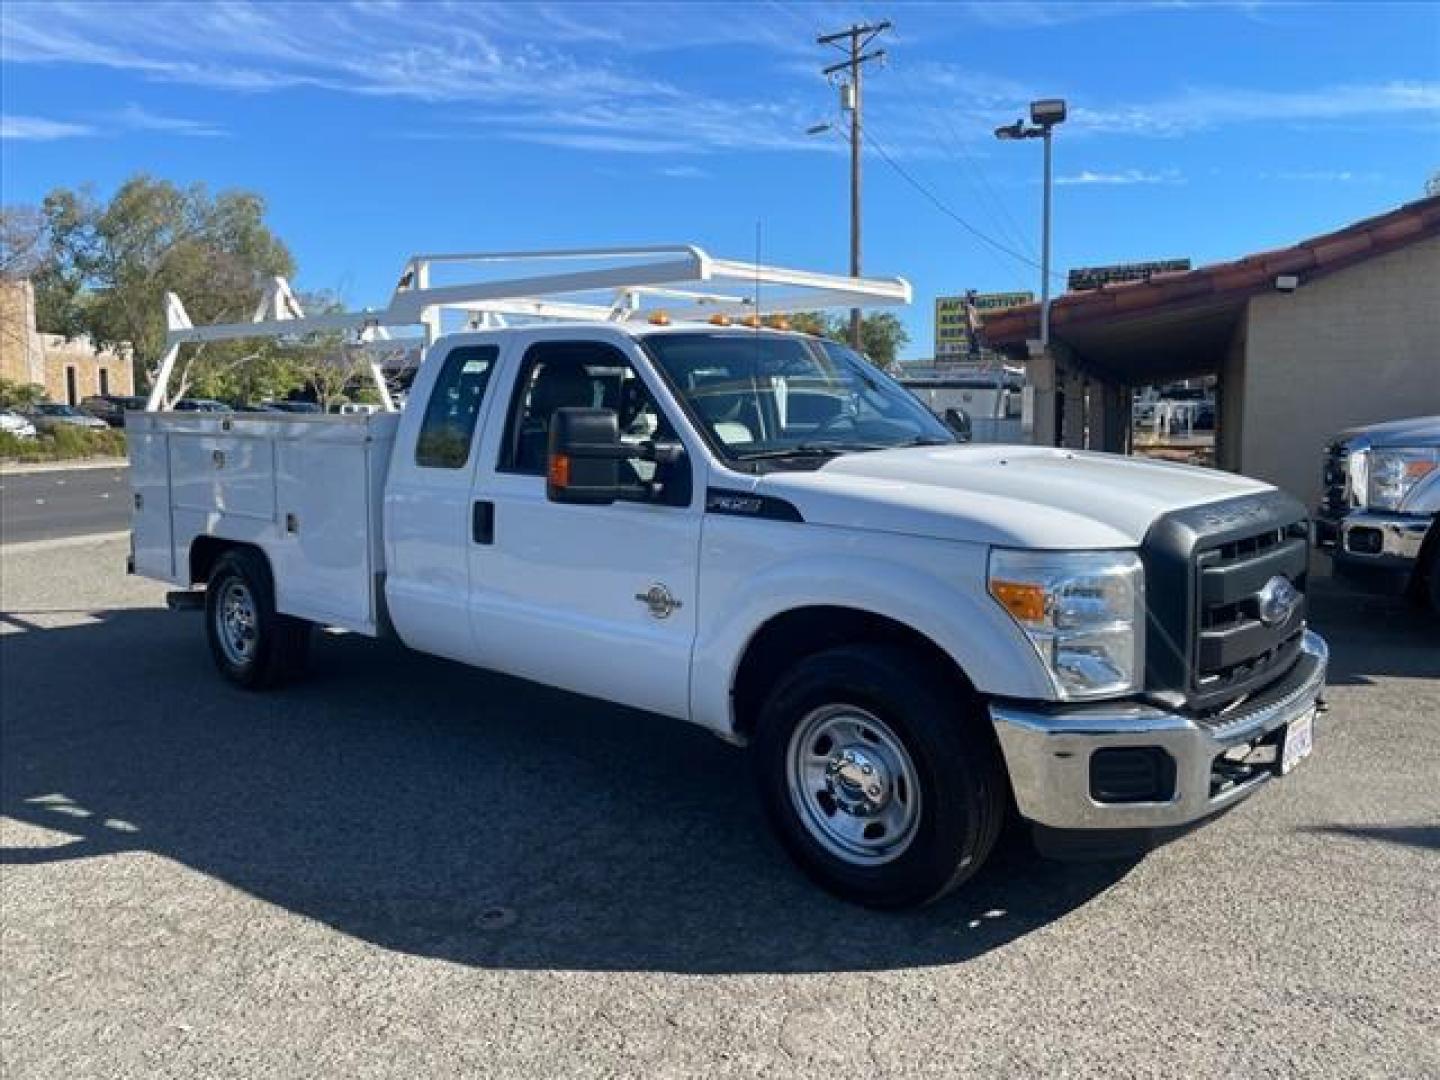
759 532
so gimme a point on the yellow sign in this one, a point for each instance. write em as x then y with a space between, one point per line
953 327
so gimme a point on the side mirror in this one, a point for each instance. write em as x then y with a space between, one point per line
585 456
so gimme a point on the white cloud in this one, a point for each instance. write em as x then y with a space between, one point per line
1203 108
39 129
1324 176
1121 177
131 118
571 76
684 172
137 118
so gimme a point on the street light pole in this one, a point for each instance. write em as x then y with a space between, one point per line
1044 115
1045 252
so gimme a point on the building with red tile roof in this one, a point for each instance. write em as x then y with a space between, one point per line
1333 331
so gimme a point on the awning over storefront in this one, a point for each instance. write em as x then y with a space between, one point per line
1178 324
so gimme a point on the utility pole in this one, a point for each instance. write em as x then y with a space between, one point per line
856 40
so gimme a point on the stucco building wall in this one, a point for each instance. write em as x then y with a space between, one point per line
1354 347
70 370
22 357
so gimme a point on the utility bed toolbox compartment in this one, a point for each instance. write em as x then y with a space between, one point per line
306 490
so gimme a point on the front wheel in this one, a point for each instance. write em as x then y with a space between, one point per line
877 776
253 645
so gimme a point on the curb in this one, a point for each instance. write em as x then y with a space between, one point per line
17 468
25 547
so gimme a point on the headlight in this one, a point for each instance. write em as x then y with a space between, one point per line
1084 611
1358 465
1394 472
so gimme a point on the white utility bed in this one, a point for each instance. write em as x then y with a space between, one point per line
308 490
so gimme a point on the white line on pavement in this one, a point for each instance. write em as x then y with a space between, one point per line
62 542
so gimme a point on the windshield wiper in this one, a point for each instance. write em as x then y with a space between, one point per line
924 440
810 450
804 450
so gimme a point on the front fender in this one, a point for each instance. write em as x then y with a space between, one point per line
752 571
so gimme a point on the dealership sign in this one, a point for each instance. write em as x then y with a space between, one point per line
957 318
1083 278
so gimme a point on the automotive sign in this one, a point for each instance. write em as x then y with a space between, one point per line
953 319
1092 277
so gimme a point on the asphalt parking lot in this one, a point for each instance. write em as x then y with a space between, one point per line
405 868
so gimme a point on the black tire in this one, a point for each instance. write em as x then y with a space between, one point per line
277 647
1432 575
963 794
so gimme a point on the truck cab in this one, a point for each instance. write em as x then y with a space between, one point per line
759 532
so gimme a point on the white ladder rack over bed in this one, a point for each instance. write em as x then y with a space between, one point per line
634 283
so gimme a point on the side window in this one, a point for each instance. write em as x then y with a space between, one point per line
563 375
559 375
454 406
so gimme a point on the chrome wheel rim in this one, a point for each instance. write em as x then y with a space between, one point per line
853 784
236 622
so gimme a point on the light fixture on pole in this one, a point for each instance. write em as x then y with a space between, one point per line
1044 115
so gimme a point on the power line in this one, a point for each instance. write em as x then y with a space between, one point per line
947 211
1009 230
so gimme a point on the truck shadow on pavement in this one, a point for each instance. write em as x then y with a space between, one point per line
1373 635
449 813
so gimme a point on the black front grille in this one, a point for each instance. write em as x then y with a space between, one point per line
1336 481
1212 635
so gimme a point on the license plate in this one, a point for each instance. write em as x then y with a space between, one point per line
1299 740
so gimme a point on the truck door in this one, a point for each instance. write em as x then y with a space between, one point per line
427 501
595 599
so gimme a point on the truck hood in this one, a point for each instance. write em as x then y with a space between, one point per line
1414 432
1020 496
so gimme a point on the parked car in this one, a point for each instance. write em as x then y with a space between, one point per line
200 405
758 532
48 415
356 408
1378 516
12 423
305 407
112 407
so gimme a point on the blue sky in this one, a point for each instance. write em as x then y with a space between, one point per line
380 129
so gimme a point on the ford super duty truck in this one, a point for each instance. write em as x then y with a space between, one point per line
685 510
1377 517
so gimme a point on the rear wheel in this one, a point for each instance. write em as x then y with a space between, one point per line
253 645
876 778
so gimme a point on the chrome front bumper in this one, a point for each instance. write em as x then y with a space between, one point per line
1374 538
1048 752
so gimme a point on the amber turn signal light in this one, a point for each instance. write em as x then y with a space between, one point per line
1023 599
558 473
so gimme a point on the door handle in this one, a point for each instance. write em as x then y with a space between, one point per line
482 522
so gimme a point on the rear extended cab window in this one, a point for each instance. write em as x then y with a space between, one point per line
454 407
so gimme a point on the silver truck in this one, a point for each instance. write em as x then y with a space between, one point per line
1377 517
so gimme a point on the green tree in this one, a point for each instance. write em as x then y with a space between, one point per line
109 265
882 335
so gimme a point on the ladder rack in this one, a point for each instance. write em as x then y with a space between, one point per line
632 284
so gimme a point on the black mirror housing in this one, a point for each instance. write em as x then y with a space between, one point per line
584 458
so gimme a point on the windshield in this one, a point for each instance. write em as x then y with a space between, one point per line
762 396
